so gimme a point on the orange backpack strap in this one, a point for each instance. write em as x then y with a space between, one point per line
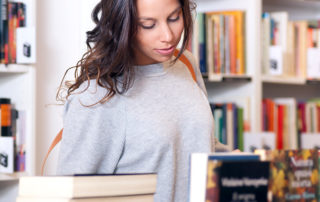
56 140
185 61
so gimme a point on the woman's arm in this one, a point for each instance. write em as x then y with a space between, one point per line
93 137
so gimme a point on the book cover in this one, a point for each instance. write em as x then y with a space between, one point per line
237 181
6 155
199 170
26 45
294 175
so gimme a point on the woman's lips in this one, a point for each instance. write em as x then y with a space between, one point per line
166 51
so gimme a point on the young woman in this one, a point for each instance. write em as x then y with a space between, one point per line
134 107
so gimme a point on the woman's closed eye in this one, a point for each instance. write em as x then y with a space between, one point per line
174 19
147 26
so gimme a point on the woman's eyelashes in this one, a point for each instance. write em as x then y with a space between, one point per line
145 26
174 19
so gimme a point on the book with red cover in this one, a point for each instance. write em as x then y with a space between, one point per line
280 118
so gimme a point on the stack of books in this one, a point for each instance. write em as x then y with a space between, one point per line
88 188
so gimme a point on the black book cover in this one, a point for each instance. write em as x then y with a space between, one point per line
244 181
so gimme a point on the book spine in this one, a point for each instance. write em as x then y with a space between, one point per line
4 36
235 126
5 105
280 109
202 46
240 129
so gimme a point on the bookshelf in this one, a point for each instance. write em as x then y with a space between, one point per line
18 82
255 85
231 91
226 78
283 80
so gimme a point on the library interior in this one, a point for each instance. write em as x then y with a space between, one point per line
236 117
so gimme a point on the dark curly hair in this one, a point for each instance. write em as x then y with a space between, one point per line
110 49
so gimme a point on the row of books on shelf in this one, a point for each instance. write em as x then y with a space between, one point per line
17 41
286 124
290 120
290 48
12 137
219 42
267 175
229 124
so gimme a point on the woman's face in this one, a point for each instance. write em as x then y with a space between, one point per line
160 25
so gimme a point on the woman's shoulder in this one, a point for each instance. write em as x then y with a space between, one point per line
90 93
190 57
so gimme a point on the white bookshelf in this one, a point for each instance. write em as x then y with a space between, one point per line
17 82
259 86
13 69
233 91
227 77
283 80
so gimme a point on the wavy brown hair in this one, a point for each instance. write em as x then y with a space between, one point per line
110 47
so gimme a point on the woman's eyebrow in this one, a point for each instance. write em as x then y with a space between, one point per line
149 18
175 10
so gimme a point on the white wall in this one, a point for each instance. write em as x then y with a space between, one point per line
61 26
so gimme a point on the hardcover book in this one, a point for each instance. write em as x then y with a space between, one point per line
294 174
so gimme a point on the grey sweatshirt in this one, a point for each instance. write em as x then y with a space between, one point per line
153 128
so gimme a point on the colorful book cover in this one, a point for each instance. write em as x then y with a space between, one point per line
294 175
237 181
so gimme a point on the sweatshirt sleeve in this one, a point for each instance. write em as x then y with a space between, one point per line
93 137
